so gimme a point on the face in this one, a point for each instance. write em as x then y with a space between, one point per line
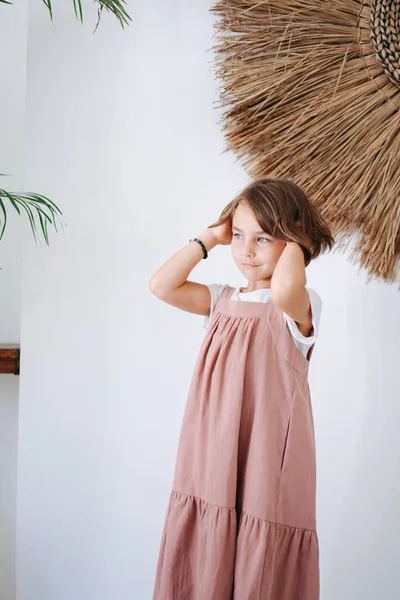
255 253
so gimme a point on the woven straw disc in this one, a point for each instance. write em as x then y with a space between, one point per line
310 90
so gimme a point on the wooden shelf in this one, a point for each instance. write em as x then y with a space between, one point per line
9 358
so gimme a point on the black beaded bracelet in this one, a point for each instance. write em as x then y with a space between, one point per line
202 245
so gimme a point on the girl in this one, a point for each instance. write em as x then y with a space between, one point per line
241 520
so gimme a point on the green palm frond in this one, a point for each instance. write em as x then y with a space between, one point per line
117 7
114 6
37 207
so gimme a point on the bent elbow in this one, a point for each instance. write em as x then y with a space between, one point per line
153 287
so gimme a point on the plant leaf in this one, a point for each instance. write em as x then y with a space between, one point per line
78 2
49 6
46 210
30 216
43 225
114 6
5 217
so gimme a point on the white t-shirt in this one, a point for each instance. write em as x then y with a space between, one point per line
264 295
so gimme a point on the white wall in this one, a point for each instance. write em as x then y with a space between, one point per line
122 133
13 41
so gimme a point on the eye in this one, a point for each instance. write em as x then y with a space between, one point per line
260 238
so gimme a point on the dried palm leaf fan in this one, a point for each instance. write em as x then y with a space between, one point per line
311 92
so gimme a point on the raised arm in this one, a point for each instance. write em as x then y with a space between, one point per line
170 283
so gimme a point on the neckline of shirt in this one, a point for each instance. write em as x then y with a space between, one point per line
261 290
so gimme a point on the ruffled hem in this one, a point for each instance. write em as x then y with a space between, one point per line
211 552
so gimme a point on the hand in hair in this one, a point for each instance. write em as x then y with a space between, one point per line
222 233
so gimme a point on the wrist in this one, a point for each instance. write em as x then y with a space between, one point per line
208 239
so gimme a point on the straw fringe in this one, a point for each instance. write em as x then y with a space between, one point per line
304 96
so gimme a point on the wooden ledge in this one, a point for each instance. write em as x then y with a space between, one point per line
9 358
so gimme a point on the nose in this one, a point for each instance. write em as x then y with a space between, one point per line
247 249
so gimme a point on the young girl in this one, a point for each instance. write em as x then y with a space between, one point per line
241 520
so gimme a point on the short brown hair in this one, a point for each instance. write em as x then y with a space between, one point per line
284 211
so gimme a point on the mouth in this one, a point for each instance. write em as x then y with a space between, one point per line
248 265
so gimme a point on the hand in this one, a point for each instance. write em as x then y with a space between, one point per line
222 234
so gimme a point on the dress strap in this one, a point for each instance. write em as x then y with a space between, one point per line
227 292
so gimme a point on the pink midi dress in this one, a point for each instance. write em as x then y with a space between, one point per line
241 518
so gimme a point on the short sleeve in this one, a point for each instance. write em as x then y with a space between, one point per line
215 291
316 309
